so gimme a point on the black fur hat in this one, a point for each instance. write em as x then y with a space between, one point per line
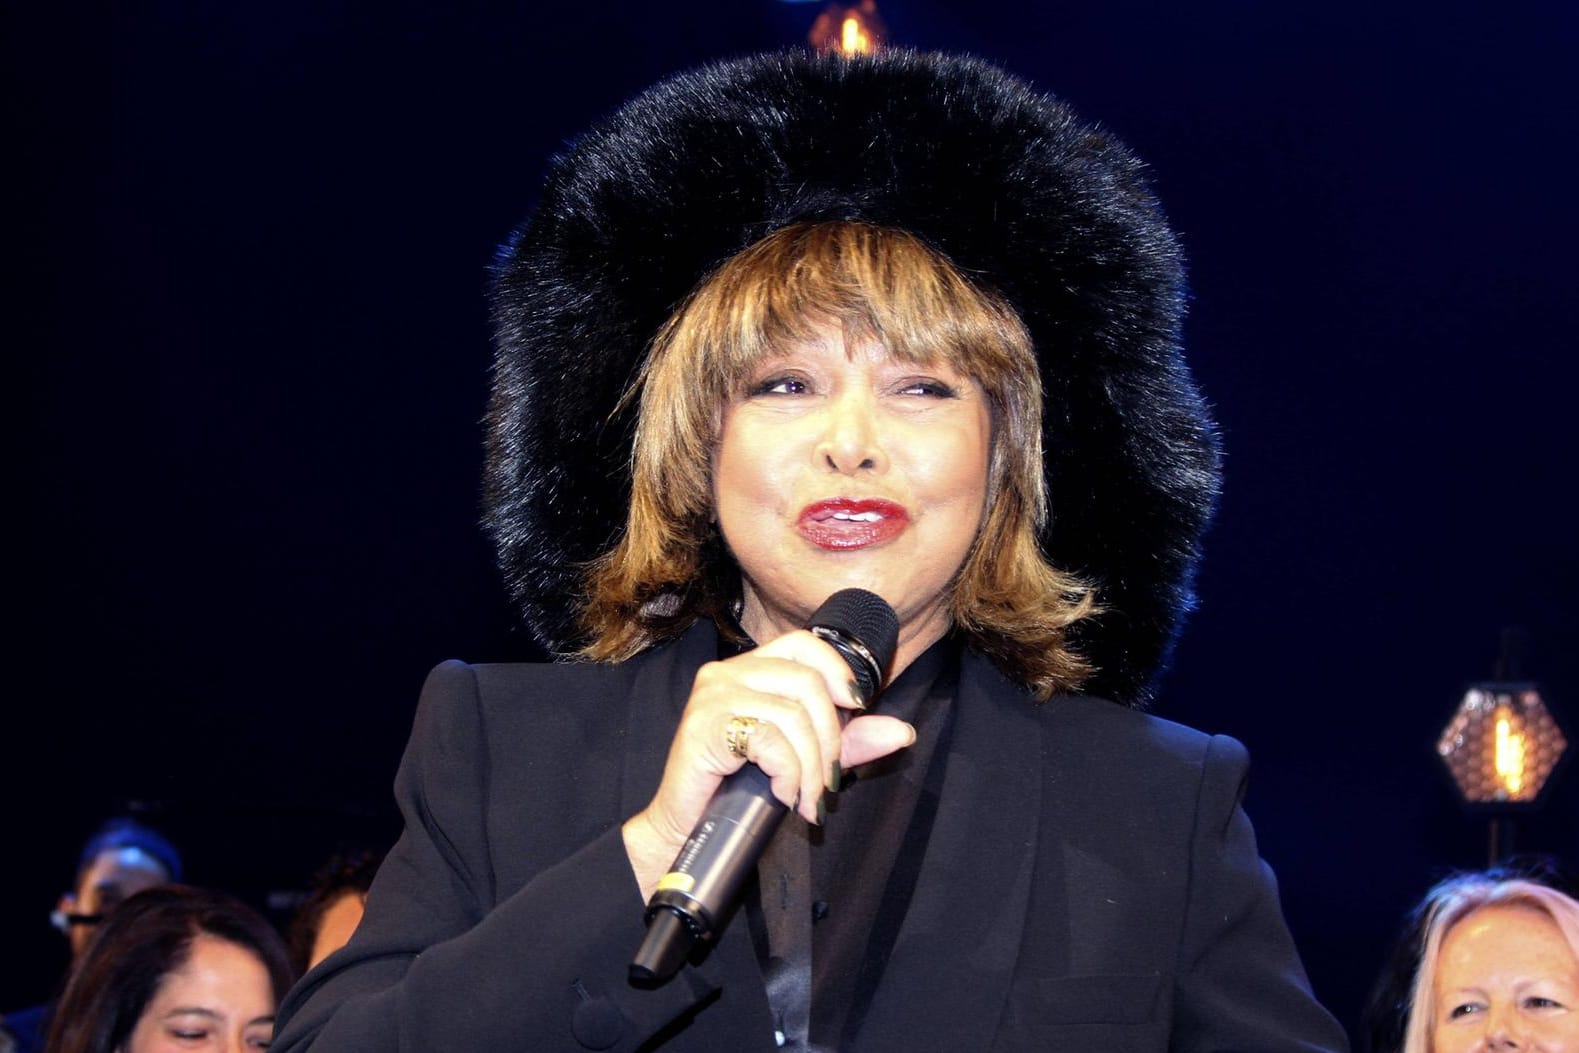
1026 199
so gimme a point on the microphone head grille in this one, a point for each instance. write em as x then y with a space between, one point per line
863 617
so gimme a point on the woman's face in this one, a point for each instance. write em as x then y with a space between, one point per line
843 467
115 874
1506 979
221 999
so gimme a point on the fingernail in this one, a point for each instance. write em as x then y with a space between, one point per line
795 806
855 694
822 810
836 777
912 741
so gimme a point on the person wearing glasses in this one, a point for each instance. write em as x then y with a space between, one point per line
122 858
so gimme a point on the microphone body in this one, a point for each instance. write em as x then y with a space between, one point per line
701 888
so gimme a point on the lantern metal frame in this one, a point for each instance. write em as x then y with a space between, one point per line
1500 814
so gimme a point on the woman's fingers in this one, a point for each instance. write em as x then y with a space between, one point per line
792 774
794 745
801 670
782 707
806 648
793 737
870 737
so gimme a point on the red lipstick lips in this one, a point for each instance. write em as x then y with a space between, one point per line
843 523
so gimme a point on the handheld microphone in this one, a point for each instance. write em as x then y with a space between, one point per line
697 893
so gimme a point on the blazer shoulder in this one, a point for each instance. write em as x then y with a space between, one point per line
1091 715
1100 735
571 678
573 686
454 685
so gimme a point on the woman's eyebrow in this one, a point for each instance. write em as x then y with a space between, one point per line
195 1010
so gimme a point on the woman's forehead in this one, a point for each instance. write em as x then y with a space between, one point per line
831 341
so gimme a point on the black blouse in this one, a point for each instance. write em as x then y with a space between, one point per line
861 865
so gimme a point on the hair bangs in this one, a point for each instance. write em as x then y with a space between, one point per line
875 284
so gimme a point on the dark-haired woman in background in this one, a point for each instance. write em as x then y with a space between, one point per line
174 968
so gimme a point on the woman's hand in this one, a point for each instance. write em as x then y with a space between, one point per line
801 694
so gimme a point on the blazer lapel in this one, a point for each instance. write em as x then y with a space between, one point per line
945 985
656 697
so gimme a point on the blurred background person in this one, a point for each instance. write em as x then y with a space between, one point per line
330 913
175 968
1386 1013
121 858
1498 967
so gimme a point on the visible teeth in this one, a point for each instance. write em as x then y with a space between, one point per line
858 517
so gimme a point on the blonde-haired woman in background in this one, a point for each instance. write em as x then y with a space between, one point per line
1499 968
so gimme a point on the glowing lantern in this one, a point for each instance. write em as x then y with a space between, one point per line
1502 745
849 29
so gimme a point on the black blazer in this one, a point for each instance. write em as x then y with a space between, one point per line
1091 883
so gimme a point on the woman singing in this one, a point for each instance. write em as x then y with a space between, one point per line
784 326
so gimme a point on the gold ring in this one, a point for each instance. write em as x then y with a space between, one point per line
737 734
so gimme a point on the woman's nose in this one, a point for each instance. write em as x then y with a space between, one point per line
1502 1031
851 440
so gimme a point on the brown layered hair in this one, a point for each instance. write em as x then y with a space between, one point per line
879 285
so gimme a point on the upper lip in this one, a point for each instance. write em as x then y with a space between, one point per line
842 507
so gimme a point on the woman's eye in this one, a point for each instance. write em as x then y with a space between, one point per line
1542 1002
780 386
929 388
1463 1010
189 1036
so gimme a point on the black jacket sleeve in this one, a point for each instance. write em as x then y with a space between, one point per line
441 962
1240 984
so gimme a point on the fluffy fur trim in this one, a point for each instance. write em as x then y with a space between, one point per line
1051 212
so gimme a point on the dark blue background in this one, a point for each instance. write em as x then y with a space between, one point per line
246 269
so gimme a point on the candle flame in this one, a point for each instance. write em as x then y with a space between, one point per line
853 38
848 29
1509 752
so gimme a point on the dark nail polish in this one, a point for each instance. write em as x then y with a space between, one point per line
836 777
822 810
855 693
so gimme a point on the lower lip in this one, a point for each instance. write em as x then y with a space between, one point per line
841 535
